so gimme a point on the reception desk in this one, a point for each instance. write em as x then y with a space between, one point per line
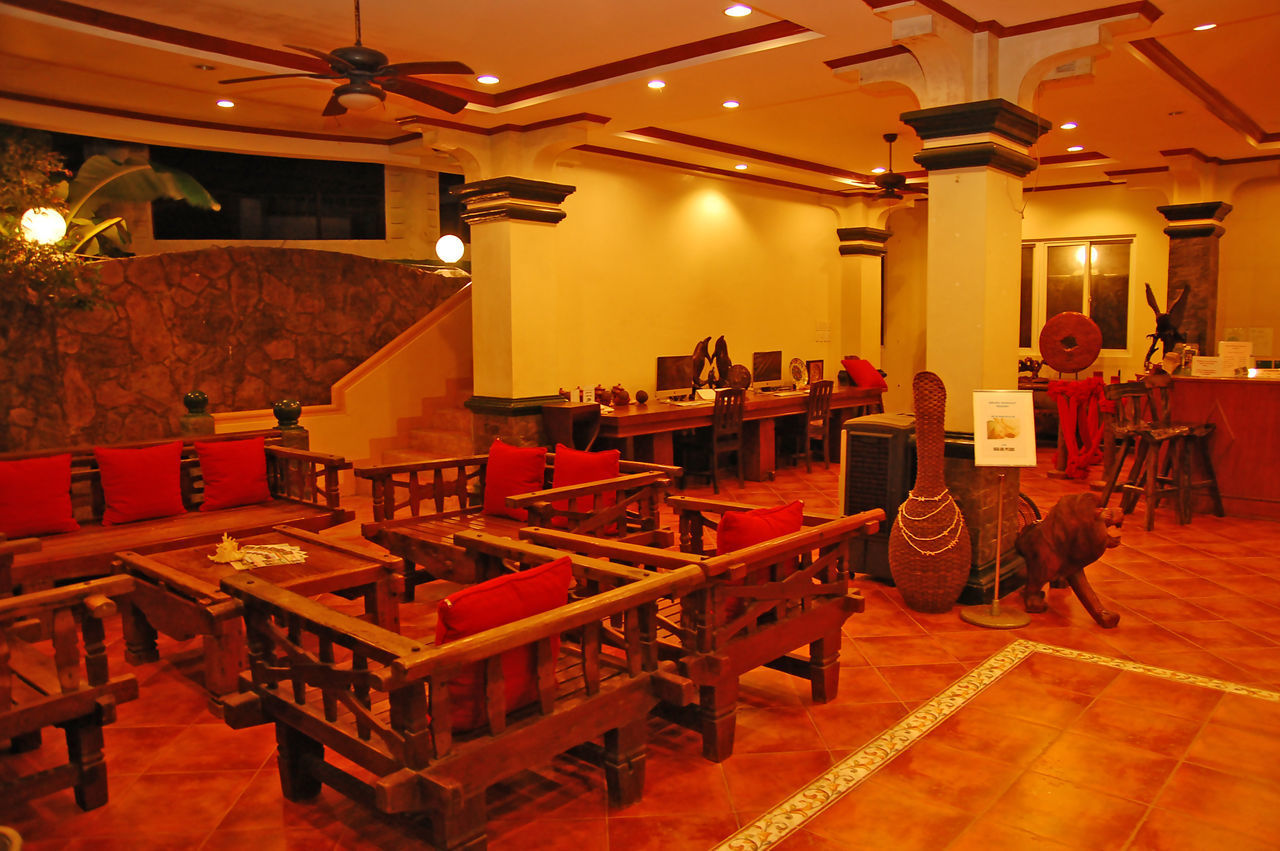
1246 441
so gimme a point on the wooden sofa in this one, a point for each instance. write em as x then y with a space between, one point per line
761 605
380 700
303 485
419 506
43 684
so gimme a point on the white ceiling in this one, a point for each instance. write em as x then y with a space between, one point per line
799 121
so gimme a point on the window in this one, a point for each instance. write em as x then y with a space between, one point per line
1083 276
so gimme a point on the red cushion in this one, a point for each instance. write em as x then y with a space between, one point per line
494 603
864 374
512 470
575 467
235 472
139 484
35 496
740 529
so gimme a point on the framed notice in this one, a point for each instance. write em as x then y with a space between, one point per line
1004 433
814 368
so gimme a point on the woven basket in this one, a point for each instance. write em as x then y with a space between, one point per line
929 549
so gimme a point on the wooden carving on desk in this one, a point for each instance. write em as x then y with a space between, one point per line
698 362
1166 333
1073 535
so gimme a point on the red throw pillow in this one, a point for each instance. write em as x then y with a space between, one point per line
740 529
575 467
139 484
512 470
864 374
35 496
494 603
235 472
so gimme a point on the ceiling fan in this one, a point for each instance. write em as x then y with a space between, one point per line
891 183
369 77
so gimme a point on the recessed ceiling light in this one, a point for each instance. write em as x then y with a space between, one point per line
741 166
200 66
738 10
879 170
657 84
730 104
1204 27
1068 125
226 104
486 80
1076 148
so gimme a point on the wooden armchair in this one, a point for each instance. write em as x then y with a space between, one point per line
42 684
758 606
383 701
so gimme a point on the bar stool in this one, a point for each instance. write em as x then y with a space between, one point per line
1165 453
725 437
1125 417
816 426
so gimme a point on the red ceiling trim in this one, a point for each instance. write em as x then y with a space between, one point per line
1125 172
206 125
1205 158
1222 107
504 128
1139 7
1077 157
654 59
168 35
869 56
705 169
1089 185
751 153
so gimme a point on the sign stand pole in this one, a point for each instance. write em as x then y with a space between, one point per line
991 616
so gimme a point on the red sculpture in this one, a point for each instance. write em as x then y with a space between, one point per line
1073 535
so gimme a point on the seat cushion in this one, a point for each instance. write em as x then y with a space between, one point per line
491 604
739 529
35 496
575 467
864 374
138 484
512 470
235 472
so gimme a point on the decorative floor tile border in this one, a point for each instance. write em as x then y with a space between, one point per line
846 775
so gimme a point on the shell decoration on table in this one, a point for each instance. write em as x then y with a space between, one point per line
929 550
227 551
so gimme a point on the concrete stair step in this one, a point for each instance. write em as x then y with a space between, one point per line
450 419
439 443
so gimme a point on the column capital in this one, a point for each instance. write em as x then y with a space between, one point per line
863 240
996 116
512 198
1200 211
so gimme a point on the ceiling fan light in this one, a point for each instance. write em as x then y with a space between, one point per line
359 95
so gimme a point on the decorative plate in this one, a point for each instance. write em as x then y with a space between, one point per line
799 372
739 376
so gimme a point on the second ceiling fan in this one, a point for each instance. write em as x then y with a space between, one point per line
891 183
369 77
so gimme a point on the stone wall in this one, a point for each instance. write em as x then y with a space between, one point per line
248 326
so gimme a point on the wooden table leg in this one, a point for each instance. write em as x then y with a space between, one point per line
663 448
139 635
380 605
758 450
224 657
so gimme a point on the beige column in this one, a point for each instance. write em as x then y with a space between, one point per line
856 304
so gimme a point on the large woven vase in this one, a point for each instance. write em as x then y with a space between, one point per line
929 544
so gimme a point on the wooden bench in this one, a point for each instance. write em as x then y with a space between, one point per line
418 507
303 485
381 700
761 605
42 684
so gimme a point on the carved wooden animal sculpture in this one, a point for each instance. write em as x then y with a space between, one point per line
720 358
1167 323
698 361
1073 535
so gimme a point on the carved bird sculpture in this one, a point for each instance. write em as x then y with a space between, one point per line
698 361
1167 322
720 357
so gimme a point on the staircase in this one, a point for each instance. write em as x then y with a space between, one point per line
442 431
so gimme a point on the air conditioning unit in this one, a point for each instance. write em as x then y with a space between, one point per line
877 469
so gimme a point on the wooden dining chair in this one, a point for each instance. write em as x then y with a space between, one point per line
723 438
815 426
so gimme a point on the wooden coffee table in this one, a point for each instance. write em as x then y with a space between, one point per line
178 593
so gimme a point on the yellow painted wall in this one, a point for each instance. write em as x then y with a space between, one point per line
904 303
1249 263
650 260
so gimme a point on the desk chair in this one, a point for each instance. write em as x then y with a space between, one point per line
815 426
724 437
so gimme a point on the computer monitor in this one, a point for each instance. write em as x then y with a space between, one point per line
766 370
675 377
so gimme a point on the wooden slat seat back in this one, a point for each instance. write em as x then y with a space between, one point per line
303 485
758 606
60 681
381 701
419 506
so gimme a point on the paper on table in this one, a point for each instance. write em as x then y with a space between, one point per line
1233 356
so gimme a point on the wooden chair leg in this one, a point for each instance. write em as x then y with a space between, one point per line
824 668
807 446
1132 488
624 757
1113 473
1153 476
1210 477
84 753
717 715
294 750
742 480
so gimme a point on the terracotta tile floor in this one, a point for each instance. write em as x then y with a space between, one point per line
1057 752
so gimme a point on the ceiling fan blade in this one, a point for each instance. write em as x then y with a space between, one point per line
401 69
333 107
282 76
424 93
336 62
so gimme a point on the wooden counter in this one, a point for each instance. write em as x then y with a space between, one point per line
645 431
1246 440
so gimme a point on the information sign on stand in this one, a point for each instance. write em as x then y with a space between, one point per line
1004 435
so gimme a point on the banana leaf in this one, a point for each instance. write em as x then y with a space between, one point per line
102 180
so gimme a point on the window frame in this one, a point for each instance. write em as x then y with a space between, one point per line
1039 286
